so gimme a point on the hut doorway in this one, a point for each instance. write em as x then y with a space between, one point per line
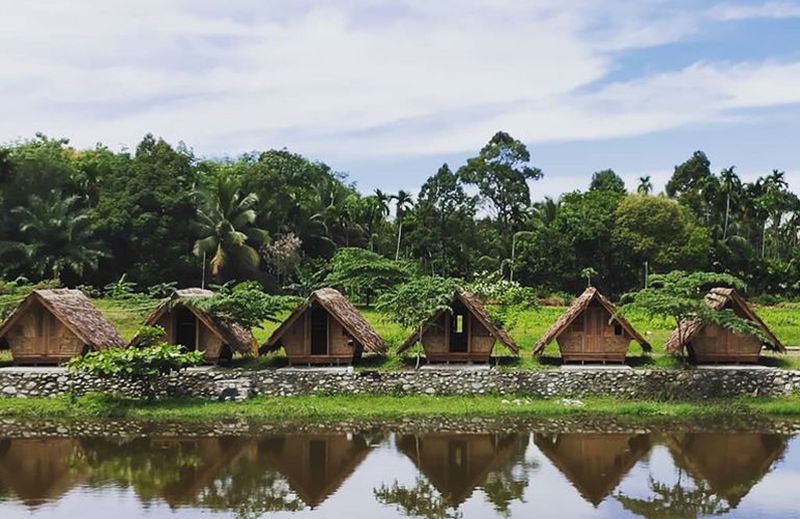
185 328
459 332
319 331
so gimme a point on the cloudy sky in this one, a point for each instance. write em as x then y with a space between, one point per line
387 91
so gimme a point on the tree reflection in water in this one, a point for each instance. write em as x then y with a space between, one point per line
421 500
675 502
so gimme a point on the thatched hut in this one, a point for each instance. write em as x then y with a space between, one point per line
187 325
457 464
591 331
52 326
711 343
315 465
731 463
463 334
595 464
325 329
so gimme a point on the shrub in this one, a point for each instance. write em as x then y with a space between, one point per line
146 363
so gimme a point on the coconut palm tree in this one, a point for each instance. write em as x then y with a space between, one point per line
57 236
731 186
403 203
225 224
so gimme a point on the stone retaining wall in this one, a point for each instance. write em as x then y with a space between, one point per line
234 384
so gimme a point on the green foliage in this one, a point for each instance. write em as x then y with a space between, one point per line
364 275
421 500
413 303
681 295
607 180
501 172
245 304
13 292
148 361
505 300
226 218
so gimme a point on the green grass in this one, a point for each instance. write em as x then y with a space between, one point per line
386 407
783 319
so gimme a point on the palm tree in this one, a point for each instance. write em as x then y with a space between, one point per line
645 185
225 222
731 185
58 237
404 202
545 212
383 200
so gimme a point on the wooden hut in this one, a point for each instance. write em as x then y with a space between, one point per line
465 334
711 343
325 329
595 464
52 326
731 463
457 464
591 331
188 326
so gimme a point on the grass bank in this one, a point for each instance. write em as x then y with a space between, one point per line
328 408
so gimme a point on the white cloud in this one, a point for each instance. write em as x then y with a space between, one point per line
359 77
730 12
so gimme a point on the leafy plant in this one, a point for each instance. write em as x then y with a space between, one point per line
151 359
505 300
245 304
681 295
161 290
364 275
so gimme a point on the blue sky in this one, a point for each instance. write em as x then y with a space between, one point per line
387 91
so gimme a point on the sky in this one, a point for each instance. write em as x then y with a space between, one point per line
389 90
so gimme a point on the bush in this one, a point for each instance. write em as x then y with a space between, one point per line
245 304
150 360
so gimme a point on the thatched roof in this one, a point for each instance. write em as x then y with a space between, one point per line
476 308
76 312
341 309
720 299
576 309
239 338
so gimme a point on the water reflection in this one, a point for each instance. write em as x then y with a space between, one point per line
655 476
594 463
455 465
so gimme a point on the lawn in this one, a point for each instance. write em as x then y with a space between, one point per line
783 319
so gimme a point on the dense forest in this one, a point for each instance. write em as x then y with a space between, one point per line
159 214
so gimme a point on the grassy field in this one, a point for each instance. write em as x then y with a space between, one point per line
386 407
784 320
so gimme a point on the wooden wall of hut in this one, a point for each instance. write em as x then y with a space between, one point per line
39 337
459 336
201 339
591 338
301 339
715 344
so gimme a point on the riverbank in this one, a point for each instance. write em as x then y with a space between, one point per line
370 407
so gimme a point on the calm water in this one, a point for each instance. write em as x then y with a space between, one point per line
376 475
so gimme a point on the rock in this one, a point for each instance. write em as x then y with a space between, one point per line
10 390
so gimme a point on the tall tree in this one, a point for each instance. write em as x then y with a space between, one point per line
228 237
607 180
501 172
403 202
645 185
58 237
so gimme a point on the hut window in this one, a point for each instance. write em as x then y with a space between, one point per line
459 324
617 329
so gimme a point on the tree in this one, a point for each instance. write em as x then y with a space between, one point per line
244 304
731 186
659 231
681 295
693 184
607 180
411 304
442 224
58 238
225 225
364 275
501 172
645 185
404 202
